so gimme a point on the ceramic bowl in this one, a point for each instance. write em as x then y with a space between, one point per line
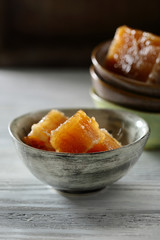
153 119
88 171
85 172
123 97
98 59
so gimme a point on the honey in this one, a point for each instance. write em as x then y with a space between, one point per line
39 137
134 54
77 135
106 143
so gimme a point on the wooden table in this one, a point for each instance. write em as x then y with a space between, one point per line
129 209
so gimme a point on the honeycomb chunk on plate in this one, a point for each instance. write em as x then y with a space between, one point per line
135 54
106 143
39 137
77 135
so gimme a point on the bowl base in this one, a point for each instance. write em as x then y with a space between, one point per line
79 191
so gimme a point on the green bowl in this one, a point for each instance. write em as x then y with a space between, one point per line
153 119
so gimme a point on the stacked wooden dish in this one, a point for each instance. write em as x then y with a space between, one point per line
119 89
111 90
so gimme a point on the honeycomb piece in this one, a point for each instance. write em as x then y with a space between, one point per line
77 135
39 136
37 143
154 76
133 54
106 143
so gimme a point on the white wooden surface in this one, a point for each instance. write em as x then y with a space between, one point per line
129 209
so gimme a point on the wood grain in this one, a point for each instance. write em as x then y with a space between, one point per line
35 211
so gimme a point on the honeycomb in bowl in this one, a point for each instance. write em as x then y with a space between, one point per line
77 134
106 143
135 54
39 137
81 134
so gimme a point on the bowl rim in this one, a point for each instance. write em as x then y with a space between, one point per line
94 74
97 97
11 123
124 80
135 99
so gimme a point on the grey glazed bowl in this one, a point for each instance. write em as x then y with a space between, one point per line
87 171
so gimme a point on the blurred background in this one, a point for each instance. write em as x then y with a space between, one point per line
62 33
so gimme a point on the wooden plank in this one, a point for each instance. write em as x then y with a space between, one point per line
28 211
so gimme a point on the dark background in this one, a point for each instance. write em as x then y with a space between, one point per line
62 33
